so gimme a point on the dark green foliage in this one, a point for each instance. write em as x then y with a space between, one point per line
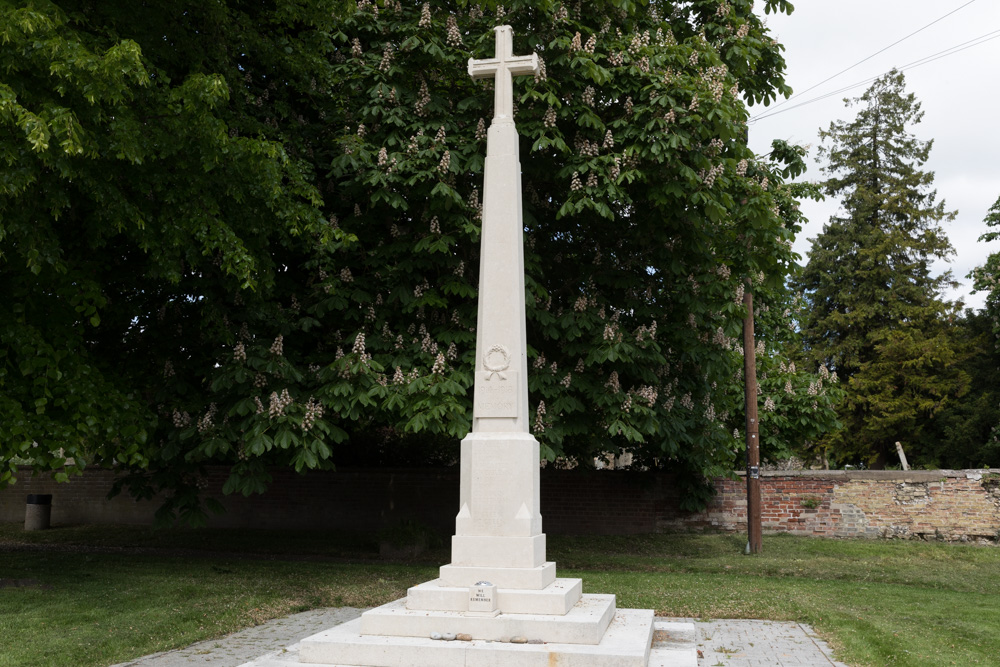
876 313
248 233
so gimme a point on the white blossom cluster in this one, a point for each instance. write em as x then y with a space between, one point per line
439 365
346 276
638 42
587 147
542 74
445 163
643 331
540 417
168 369
181 419
423 99
713 173
278 346
207 419
565 382
239 352
387 54
575 44
481 130
359 344
588 96
278 403
314 411
549 119
616 58
575 183
613 383
648 394
715 77
454 35
591 44
425 16
769 404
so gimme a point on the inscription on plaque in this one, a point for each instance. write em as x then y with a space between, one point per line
495 396
483 597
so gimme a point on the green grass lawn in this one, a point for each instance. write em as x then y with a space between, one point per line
98 595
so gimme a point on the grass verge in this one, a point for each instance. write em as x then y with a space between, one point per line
96 596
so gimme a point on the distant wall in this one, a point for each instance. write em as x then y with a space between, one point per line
947 504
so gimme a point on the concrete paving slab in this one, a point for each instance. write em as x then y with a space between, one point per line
722 643
751 643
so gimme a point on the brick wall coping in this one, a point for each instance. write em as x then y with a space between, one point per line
886 475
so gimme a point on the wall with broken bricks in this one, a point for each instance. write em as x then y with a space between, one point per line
938 504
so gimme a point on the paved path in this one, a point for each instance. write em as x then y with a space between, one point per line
722 643
744 643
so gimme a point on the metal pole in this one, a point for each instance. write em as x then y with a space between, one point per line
753 444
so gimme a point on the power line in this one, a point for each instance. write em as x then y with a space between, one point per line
789 99
982 39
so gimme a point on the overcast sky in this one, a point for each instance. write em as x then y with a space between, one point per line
959 93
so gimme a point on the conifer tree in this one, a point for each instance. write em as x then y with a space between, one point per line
877 313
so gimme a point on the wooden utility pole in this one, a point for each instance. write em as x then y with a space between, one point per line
753 441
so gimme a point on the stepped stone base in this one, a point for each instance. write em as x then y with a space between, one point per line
558 598
633 639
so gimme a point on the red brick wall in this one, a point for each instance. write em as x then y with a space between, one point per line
953 505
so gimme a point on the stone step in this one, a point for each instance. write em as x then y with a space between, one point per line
534 578
558 598
585 623
627 643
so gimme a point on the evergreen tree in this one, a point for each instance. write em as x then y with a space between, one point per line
877 316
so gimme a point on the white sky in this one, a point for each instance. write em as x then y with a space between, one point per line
959 94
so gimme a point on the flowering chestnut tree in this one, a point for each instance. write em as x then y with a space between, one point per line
320 305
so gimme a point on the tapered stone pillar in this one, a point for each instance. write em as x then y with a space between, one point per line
498 530
498 585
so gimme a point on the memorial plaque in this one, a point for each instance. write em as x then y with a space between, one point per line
483 597
496 395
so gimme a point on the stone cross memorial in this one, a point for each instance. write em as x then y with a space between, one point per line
499 595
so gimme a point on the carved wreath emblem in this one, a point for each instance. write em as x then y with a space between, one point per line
495 361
